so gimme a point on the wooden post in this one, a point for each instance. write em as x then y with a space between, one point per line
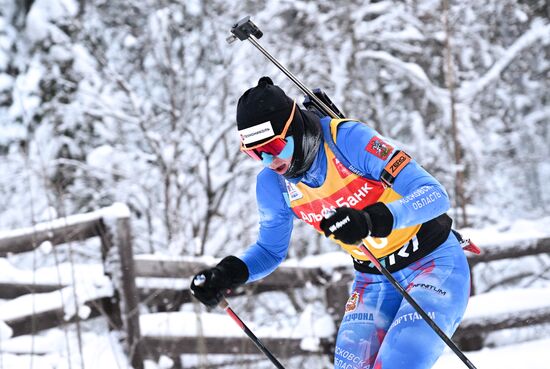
128 293
111 306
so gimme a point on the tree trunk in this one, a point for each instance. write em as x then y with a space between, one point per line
459 195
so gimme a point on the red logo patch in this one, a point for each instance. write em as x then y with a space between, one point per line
379 148
352 302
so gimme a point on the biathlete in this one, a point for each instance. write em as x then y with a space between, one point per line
351 184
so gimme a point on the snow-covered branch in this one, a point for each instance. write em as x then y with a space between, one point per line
413 72
539 30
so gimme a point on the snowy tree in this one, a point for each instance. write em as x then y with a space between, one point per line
116 101
134 101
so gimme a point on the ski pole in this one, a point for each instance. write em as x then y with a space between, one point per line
246 30
224 304
416 307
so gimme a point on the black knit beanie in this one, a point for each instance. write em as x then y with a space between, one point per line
262 112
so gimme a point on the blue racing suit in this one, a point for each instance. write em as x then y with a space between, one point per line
379 328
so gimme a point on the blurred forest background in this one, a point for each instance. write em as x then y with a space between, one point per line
134 101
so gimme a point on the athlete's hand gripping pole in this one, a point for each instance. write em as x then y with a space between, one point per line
224 304
415 305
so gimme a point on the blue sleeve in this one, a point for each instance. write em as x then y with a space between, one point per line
276 222
423 197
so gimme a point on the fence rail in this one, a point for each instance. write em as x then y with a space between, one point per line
12 290
51 318
281 347
511 250
60 231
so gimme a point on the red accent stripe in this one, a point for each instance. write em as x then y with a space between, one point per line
234 317
370 256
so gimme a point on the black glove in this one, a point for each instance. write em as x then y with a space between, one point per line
209 285
351 225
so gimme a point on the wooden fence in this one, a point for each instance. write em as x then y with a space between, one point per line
469 336
112 226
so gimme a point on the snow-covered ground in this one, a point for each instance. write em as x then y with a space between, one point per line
59 350
527 355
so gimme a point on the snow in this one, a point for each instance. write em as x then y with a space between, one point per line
539 30
206 259
83 62
480 306
5 331
26 87
326 261
115 211
6 82
61 54
509 232
412 71
408 34
309 327
165 362
45 247
60 351
104 158
312 326
163 283
12 132
508 301
190 324
69 298
528 355
42 16
58 274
